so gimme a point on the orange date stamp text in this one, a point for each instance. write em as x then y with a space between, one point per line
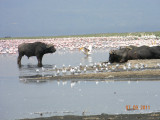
137 107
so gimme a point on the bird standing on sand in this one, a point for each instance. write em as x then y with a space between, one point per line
63 65
43 69
136 66
124 68
85 69
72 70
106 68
158 64
55 67
129 66
96 70
64 71
58 72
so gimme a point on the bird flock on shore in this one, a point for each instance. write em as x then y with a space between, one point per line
85 69
96 68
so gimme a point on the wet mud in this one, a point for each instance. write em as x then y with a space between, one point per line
149 116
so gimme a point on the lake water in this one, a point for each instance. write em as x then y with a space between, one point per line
29 99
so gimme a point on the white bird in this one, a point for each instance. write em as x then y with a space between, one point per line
78 71
124 68
43 69
97 82
106 65
158 64
63 65
136 66
75 68
142 66
103 64
117 65
145 65
72 70
54 67
37 70
100 65
96 70
64 71
86 51
113 68
94 66
85 69
100 70
69 66
58 72
129 66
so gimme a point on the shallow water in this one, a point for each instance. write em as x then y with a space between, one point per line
24 99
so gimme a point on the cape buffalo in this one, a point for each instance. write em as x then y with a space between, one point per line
37 49
133 52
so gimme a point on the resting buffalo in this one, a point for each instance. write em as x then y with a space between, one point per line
37 49
133 52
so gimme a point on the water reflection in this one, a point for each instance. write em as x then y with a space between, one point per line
76 97
95 97
87 60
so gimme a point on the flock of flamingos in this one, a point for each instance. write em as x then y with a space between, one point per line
10 46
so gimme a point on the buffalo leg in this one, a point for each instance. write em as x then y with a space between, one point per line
39 58
19 59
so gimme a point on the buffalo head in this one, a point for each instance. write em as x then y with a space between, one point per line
118 56
50 48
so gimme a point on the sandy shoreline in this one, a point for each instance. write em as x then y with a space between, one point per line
151 72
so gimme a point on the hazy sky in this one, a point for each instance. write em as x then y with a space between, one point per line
20 18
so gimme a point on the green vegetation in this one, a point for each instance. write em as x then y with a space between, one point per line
90 35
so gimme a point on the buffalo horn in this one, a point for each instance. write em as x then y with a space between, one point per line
111 52
129 48
49 45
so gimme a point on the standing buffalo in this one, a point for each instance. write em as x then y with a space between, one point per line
37 49
133 52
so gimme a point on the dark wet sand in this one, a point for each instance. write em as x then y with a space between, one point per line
149 116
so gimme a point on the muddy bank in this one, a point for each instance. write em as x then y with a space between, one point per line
132 70
116 76
149 116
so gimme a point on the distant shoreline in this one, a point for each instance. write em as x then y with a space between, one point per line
156 33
